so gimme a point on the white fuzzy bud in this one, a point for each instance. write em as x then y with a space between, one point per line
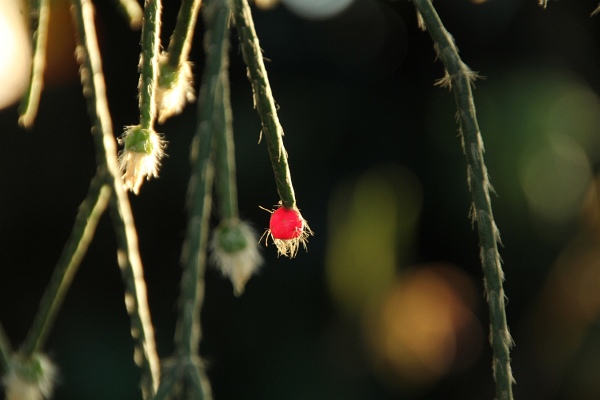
235 252
30 378
175 89
141 157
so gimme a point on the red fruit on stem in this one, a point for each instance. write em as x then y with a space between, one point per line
286 224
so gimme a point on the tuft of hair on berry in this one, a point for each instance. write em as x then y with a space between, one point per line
288 230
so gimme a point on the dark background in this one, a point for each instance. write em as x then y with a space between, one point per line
380 177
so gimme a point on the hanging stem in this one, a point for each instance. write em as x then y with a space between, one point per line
216 15
264 101
40 13
181 41
77 245
226 182
459 77
149 62
129 258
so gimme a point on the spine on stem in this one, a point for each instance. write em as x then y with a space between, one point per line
459 78
189 330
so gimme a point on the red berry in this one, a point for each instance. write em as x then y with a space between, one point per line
286 224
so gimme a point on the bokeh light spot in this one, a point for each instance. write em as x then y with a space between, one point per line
555 178
317 9
371 224
15 56
417 333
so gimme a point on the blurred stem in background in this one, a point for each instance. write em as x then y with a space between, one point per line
216 15
39 19
459 79
5 351
77 245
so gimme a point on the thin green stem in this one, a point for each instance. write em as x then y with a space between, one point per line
263 100
129 258
181 40
132 11
216 14
149 62
82 234
5 352
226 181
136 297
459 77
40 16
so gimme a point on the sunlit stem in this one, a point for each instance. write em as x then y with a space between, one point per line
149 62
129 258
40 17
82 234
459 77
264 101
181 40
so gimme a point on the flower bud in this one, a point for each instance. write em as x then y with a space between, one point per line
29 378
141 156
175 88
234 247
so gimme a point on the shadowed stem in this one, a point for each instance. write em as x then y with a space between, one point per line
82 234
216 15
459 77
149 62
264 101
181 41
5 351
129 258
226 182
194 257
40 13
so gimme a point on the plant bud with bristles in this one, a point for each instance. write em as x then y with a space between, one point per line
29 378
235 252
175 88
140 159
